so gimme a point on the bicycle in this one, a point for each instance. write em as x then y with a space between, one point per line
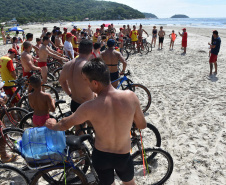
141 91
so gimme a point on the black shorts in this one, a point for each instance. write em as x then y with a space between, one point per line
114 76
74 106
161 39
105 164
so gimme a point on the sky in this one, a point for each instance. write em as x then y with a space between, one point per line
168 8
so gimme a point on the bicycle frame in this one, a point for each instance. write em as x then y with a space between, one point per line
122 79
11 119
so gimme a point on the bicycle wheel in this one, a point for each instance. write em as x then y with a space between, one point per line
24 103
125 54
50 77
19 72
54 65
158 170
10 137
150 138
11 117
57 72
143 95
149 46
144 49
10 174
52 91
57 174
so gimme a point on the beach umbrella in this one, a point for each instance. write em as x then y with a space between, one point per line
16 29
106 25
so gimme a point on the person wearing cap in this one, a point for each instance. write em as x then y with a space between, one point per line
68 48
75 42
161 35
8 73
44 31
111 57
64 35
44 52
215 48
134 37
154 35
96 35
90 32
173 37
184 36
121 39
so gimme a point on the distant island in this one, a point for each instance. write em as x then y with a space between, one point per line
180 16
150 15
65 10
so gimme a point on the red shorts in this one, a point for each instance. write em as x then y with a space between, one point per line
10 91
184 44
27 74
76 50
42 64
213 58
39 121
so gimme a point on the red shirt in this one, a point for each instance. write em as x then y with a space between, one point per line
185 36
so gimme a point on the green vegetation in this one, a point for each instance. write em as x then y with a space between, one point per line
150 15
67 10
180 16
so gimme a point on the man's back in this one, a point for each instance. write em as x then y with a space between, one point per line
112 117
25 58
80 90
110 56
43 54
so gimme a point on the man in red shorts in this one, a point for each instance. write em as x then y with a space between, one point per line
215 48
8 73
184 36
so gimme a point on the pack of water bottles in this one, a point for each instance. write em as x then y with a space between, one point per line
42 145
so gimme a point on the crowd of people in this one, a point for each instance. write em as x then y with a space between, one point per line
91 63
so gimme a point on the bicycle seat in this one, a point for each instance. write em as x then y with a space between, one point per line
76 141
59 102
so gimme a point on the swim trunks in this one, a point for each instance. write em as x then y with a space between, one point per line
105 163
213 58
27 74
161 39
114 76
154 36
42 64
10 91
39 121
74 106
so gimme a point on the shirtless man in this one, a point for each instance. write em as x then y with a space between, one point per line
58 41
71 79
29 37
44 52
111 114
38 45
161 35
128 30
44 31
140 33
90 32
41 102
3 36
124 31
113 28
111 58
27 60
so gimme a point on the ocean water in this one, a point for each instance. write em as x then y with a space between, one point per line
189 22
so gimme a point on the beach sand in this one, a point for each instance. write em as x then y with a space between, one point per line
188 107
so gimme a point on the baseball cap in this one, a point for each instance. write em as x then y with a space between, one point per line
98 29
111 43
184 29
68 35
79 29
12 50
89 26
74 30
65 28
121 28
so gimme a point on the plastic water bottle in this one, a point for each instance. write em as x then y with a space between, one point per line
40 143
2 95
2 84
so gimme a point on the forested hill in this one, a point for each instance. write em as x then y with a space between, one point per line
67 10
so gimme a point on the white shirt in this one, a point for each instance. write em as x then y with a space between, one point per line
68 47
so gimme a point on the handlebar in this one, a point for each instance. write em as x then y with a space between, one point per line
128 73
19 81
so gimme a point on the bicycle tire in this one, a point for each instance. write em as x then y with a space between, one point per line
57 72
152 166
47 177
50 77
144 106
13 119
24 103
150 138
150 46
16 179
125 54
52 91
19 72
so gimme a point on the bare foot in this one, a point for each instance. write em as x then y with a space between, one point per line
9 159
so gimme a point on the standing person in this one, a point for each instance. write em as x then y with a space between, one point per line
128 30
161 37
68 48
140 33
3 36
102 31
44 31
38 45
154 35
184 36
8 73
23 35
27 61
111 58
58 42
134 37
54 34
124 31
40 101
15 46
29 37
96 35
215 48
96 52
173 37
44 52
64 35
71 78
113 28
90 32
75 43
112 114
121 39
